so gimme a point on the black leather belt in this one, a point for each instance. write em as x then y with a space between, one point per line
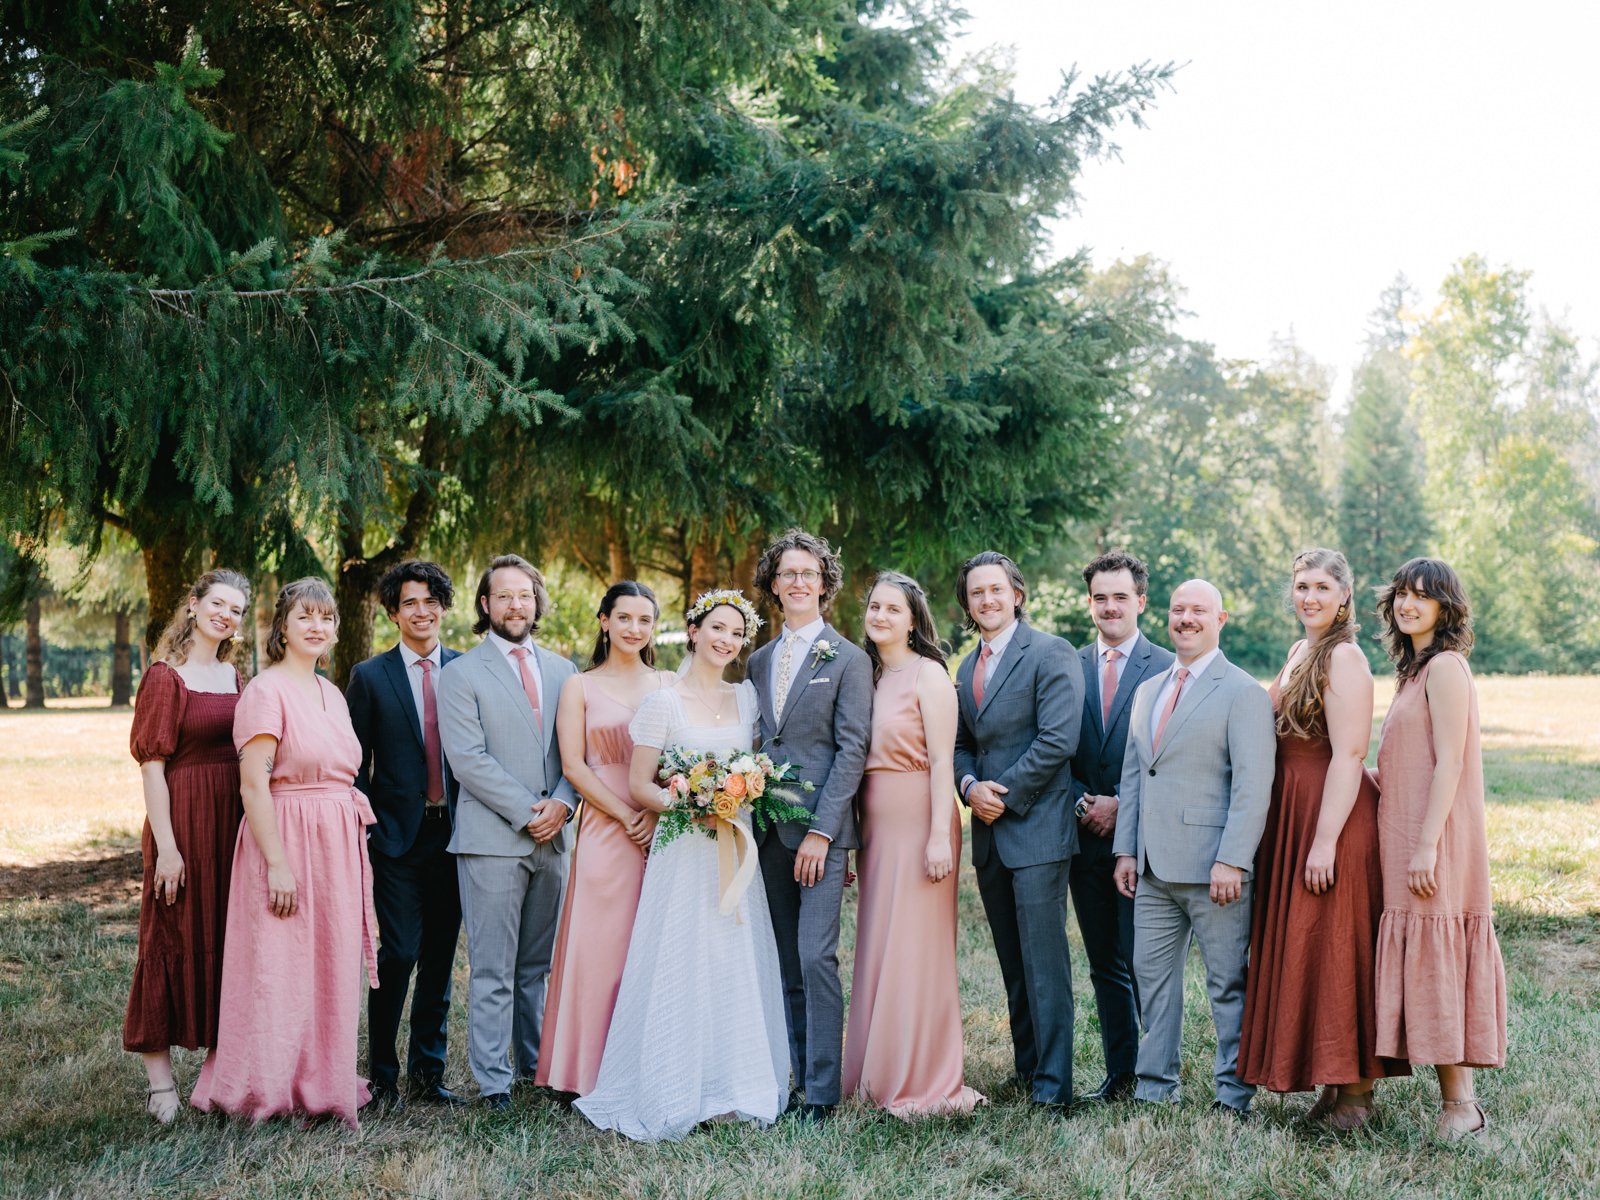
434 811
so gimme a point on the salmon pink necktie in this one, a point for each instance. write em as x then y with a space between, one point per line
978 676
1108 685
520 653
1172 703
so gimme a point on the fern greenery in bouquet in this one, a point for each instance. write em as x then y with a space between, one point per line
719 784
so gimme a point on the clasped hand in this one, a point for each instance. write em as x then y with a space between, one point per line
548 818
1100 818
983 797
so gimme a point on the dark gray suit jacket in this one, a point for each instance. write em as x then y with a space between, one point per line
394 766
1023 738
825 730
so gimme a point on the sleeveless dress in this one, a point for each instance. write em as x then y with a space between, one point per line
597 914
1310 1008
698 1031
291 992
1441 981
177 981
903 1044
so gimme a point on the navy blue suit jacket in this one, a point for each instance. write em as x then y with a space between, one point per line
394 769
1097 764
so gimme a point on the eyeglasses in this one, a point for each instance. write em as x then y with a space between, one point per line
507 597
799 576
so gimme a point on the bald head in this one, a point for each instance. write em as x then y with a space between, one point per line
1194 619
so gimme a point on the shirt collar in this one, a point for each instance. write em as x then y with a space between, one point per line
807 634
998 643
1200 665
411 658
1126 646
506 647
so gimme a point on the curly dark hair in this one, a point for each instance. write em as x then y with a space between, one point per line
415 570
1117 560
1434 579
617 591
817 547
541 602
989 558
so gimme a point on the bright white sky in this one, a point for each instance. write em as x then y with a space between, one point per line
1311 151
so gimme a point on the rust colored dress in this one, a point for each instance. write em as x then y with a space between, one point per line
1441 981
903 1045
1310 1016
177 980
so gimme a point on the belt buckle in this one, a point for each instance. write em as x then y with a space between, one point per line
433 811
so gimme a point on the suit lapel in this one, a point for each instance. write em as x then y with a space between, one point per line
804 673
1089 658
549 693
965 674
394 666
1132 676
761 677
1194 695
503 669
1020 641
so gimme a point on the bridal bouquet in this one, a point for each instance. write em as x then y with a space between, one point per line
718 784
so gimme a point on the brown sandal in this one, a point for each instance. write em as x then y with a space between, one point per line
1324 1106
1454 1133
1352 1112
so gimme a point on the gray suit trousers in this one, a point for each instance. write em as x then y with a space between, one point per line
806 923
1164 917
510 906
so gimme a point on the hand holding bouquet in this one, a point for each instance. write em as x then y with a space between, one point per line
719 784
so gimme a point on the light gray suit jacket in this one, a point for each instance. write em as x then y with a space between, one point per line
1023 737
496 750
1201 798
825 729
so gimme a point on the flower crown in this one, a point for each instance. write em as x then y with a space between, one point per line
733 598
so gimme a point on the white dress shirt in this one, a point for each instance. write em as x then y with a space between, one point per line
1124 648
414 675
1197 668
797 654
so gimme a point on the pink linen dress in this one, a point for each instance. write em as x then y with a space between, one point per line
597 915
291 994
1441 981
903 1044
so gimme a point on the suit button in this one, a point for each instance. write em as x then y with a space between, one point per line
777 741
545 792
1152 772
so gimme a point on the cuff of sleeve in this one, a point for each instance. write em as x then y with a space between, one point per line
966 784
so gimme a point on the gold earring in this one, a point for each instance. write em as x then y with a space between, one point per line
1344 610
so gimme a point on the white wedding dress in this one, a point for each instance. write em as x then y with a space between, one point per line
698 1030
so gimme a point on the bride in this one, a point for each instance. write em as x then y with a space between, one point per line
698 1030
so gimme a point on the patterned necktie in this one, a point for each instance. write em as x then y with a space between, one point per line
979 682
1108 685
1172 703
430 734
521 655
785 668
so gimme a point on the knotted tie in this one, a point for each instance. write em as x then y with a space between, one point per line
1172 703
1108 685
430 734
780 694
979 681
521 655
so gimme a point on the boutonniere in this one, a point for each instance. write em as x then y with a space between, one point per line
822 650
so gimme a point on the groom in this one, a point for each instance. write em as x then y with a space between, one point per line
815 690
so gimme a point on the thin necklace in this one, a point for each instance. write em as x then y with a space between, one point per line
722 700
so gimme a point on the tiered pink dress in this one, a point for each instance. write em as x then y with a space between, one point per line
178 978
1441 981
291 991
597 915
903 1045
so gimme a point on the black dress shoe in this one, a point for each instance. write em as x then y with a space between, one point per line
496 1101
1238 1114
1115 1089
386 1098
433 1091
816 1114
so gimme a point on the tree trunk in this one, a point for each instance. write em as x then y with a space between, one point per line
122 660
355 594
704 564
5 699
623 565
167 563
35 697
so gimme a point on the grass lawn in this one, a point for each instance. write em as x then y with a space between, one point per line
70 1100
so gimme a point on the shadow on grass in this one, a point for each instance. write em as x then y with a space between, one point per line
106 878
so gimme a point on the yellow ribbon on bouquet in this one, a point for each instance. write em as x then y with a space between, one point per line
736 865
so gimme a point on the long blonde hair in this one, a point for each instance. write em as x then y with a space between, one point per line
178 636
1300 703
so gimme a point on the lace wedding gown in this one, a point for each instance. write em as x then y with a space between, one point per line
698 1030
